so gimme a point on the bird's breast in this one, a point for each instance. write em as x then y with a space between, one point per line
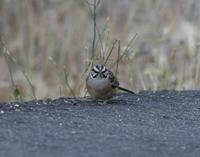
99 84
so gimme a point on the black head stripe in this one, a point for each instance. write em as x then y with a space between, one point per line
101 66
96 69
103 70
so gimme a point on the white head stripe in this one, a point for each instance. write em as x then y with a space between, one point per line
103 69
93 75
96 69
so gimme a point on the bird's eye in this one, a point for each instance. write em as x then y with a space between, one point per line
93 74
104 75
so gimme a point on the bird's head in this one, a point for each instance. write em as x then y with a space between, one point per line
99 71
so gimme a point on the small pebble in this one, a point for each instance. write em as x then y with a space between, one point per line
73 132
16 105
183 147
60 124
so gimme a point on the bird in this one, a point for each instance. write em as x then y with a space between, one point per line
102 84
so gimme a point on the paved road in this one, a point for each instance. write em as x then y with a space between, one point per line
148 124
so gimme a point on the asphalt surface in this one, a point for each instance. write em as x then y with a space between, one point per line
147 124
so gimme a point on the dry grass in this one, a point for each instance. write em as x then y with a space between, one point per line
48 45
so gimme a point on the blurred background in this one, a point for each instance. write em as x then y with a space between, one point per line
46 45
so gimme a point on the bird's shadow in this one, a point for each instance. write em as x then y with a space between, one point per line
116 100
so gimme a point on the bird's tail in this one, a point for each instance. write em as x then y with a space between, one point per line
126 90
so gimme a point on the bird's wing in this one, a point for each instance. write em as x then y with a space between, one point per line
113 80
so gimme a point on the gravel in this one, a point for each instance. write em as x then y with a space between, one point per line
151 124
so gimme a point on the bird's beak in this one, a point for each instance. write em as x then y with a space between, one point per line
102 75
